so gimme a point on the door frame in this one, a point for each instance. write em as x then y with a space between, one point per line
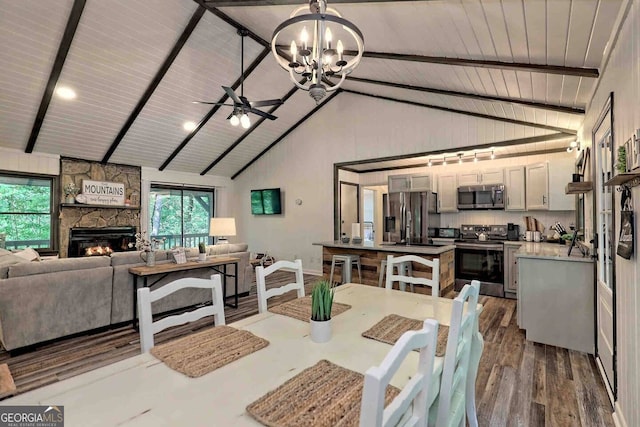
338 207
607 109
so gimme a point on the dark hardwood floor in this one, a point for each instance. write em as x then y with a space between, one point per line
519 383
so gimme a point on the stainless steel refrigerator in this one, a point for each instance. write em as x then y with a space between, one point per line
408 216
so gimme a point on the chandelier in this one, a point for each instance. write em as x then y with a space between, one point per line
315 58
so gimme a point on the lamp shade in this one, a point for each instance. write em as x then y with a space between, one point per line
222 227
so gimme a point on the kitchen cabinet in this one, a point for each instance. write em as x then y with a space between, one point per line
511 269
447 193
397 183
545 184
515 188
481 177
538 186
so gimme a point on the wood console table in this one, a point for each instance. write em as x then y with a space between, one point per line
163 270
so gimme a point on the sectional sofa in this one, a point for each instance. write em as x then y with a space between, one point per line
45 300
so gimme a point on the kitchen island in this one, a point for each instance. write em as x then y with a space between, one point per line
372 254
556 296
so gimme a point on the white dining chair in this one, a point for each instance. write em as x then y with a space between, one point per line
148 328
459 372
262 273
409 408
401 261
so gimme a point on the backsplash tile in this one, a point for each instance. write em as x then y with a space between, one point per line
566 218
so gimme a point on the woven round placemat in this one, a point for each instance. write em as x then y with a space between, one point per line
200 353
324 395
391 327
300 308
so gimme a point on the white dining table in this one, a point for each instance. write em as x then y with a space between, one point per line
143 391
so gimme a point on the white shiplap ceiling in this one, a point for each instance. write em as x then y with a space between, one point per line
120 45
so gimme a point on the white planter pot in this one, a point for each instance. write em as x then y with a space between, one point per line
320 331
202 257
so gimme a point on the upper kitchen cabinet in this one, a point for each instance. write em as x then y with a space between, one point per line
545 185
483 177
399 183
515 188
447 193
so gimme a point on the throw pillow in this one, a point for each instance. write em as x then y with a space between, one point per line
29 254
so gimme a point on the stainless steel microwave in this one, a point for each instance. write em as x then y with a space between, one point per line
481 197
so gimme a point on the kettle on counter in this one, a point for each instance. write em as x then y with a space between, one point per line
482 236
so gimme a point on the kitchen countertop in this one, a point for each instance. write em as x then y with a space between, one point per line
552 251
369 246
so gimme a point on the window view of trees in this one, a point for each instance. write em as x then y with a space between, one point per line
26 211
182 216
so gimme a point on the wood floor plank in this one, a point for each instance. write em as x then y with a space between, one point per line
519 383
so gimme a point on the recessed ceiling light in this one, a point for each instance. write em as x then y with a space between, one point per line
189 126
65 92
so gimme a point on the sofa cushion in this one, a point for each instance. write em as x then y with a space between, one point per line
55 265
227 248
7 259
133 257
29 254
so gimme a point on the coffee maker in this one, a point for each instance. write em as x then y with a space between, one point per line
513 231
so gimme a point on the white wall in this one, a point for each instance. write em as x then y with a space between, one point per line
351 128
19 161
622 76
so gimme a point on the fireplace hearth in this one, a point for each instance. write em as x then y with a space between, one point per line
100 241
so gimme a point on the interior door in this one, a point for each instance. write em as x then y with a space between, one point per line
349 206
604 237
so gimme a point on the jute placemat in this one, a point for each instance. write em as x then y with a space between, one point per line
323 395
200 353
7 386
391 327
300 308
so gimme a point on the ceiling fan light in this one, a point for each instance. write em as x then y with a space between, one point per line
234 120
245 121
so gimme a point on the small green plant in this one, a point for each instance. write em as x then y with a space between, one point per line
622 160
202 248
321 301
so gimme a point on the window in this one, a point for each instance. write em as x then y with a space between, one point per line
26 211
181 215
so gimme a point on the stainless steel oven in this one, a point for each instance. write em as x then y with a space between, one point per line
481 197
483 262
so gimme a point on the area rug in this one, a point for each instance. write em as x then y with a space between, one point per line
7 386
323 395
391 327
200 353
300 308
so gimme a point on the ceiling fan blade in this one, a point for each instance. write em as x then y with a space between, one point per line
245 101
266 103
212 103
231 94
263 114
231 115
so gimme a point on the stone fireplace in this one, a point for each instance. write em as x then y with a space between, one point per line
85 217
100 241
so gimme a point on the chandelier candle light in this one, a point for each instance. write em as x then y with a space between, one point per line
315 57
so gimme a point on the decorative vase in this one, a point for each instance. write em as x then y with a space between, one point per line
150 260
202 257
70 198
320 331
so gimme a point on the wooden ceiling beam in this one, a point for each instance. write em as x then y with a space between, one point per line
56 70
478 63
532 104
466 113
284 135
215 108
247 133
177 47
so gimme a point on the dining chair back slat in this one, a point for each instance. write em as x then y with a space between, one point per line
148 328
458 372
261 274
399 263
409 408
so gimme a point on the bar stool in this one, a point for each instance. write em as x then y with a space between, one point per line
346 261
404 269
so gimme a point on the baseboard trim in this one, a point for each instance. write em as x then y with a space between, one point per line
605 381
618 417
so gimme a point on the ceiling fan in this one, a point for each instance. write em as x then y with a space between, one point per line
241 105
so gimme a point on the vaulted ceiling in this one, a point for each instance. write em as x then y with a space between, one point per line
136 67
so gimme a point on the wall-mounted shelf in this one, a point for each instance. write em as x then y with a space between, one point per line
578 187
629 179
81 205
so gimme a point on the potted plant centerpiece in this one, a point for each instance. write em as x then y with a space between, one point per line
147 247
202 252
321 303
70 192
